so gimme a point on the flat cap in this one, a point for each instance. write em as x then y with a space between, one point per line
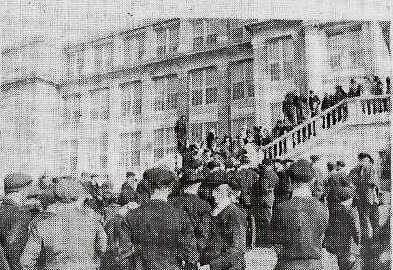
302 171
159 177
16 181
68 189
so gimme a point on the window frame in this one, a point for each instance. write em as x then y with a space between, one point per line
131 99
130 147
166 46
204 87
161 98
278 68
247 82
164 142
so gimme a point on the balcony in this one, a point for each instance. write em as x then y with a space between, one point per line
356 112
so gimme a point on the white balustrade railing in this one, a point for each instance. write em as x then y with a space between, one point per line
356 110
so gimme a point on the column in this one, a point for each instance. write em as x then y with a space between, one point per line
380 56
148 122
223 98
316 57
262 91
84 131
114 135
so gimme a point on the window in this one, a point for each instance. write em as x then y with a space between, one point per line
198 35
166 93
242 79
103 58
280 59
167 40
104 141
173 33
345 50
80 62
205 32
130 149
164 142
238 124
199 131
71 64
93 154
74 156
134 48
131 101
203 85
99 104
235 31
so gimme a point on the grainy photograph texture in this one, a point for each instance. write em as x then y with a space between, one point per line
233 135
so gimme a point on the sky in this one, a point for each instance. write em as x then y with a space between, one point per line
71 20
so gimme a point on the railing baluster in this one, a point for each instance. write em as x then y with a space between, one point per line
275 150
293 140
313 126
324 121
298 137
285 145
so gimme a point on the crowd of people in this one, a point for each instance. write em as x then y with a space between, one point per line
205 215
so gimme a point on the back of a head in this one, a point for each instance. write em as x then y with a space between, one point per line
67 189
301 171
330 166
158 178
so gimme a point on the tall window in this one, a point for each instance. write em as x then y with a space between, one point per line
280 59
235 30
131 101
345 50
164 142
99 104
104 146
199 131
205 33
74 156
103 57
75 63
203 85
167 39
242 79
166 93
134 48
238 124
130 149
93 154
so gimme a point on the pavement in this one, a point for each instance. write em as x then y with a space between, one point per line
378 255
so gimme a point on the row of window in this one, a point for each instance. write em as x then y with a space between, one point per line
206 33
203 85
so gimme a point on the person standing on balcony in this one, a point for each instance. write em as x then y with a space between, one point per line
278 129
326 102
352 88
289 109
266 137
298 225
339 95
313 102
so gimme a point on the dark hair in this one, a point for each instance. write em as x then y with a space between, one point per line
330 166
158 178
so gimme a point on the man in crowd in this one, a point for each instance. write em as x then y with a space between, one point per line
227 245
248 178
14 221
298 225
156 233
278 129
262 199
197 209
326 102
65 237
364 178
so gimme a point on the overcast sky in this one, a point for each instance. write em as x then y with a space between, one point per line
69 20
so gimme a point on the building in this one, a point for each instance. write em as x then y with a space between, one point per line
121 94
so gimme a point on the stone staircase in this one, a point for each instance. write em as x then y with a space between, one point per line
360 122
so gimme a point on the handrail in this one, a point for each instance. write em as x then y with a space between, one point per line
319 116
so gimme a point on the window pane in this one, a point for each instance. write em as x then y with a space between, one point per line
287 49
238 90
211 95
196 132
211 77
274 72
356 58
197 95
173 39
335 61
237 73
288 70
198 28
161 36
159 94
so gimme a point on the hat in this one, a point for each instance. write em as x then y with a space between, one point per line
14 182
340 163
234 181
190 178
130 174
216 178
301 171
159 177
365 155
67 189
314 158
